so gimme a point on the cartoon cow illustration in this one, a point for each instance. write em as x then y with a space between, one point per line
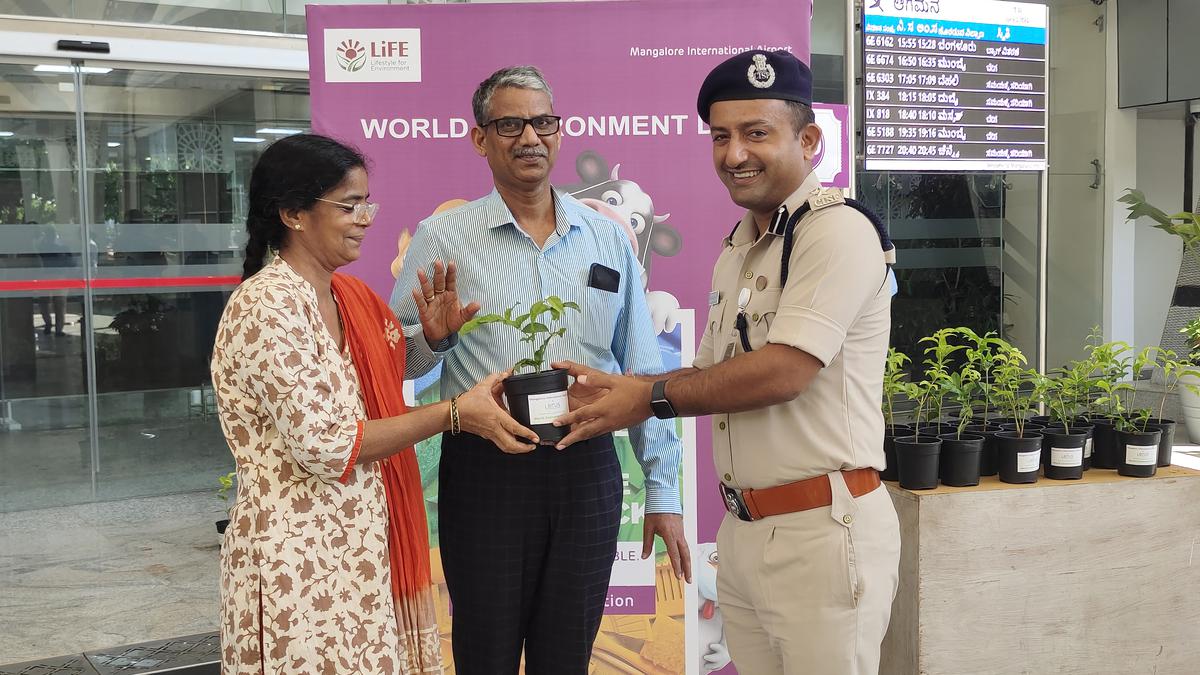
625 202
714 655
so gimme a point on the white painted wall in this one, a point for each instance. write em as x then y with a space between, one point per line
1157 254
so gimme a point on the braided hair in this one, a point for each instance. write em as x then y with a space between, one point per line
291 174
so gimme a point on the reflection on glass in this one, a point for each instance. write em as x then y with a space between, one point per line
44 445
167 164
966 256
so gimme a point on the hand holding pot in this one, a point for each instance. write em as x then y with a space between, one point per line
481 413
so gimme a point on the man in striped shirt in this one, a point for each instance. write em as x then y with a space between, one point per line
528 540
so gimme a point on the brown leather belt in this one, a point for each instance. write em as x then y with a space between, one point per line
802 495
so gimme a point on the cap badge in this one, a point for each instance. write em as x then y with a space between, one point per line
761 74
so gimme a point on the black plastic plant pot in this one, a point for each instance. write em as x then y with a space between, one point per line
1019 456
890 432
536 400
988 466
1062 453
958 464
1044 420
1085 427
221 525
1167 427
1138 452
917 461
1104 444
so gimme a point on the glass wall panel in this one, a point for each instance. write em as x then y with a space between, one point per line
169 161
967 253
44 442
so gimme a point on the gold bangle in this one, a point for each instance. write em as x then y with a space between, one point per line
455 427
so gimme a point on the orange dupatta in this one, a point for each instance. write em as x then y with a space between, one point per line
376 345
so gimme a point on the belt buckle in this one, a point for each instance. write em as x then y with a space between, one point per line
732 497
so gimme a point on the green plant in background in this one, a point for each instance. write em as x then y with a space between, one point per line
960 387
1108 365
531 325
1144 358
937 367
226 482
981 356
1017 389
920 393
1192 331
1184 225
893 383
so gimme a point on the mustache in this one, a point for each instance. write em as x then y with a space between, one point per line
530 152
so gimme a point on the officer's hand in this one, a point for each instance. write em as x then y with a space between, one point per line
668 526
580 393
627 403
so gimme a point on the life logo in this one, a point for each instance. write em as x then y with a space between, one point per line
372 54
351 56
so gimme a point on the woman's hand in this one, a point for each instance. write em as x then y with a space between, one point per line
481 413
438 306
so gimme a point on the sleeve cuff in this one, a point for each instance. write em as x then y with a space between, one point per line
435 352
662 499
809 331
353 461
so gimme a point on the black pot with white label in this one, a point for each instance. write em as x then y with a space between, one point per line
1062 453
1138 452
536 400
1019 456
1167 442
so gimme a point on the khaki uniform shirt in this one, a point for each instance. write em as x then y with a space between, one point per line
836 306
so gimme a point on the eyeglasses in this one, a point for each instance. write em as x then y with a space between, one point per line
361 212
510 127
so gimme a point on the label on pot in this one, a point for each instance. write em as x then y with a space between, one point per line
1066 457
1028 461
1141 455
545 408
1087 448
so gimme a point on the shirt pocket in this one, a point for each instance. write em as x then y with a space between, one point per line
600 312
760 314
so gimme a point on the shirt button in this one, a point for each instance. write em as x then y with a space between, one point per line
749 274
728 477
754 316
847 519
721 426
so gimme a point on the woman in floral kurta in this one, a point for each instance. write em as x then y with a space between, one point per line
324 567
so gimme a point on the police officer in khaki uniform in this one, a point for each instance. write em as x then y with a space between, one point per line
791 369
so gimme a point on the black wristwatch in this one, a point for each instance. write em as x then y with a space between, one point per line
662 408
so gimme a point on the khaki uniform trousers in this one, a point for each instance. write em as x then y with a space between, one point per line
810 593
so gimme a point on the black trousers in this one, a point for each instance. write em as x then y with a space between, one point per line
527 544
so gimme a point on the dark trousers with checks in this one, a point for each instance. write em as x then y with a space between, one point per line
527 545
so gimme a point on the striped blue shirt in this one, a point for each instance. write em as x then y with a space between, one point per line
499 266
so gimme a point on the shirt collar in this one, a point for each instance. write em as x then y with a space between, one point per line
499 215
747 232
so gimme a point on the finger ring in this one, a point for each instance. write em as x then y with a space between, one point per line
429 298
438 292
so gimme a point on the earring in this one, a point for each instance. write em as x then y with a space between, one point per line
298 227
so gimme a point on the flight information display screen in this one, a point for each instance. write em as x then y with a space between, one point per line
954 85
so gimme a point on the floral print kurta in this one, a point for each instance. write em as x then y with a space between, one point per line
305 581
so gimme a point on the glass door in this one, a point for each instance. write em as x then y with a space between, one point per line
45 446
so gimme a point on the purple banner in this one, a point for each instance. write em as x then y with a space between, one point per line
396 81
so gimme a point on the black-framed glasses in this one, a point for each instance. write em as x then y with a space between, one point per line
543 125
361 213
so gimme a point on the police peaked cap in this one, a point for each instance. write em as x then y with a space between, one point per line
756 75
